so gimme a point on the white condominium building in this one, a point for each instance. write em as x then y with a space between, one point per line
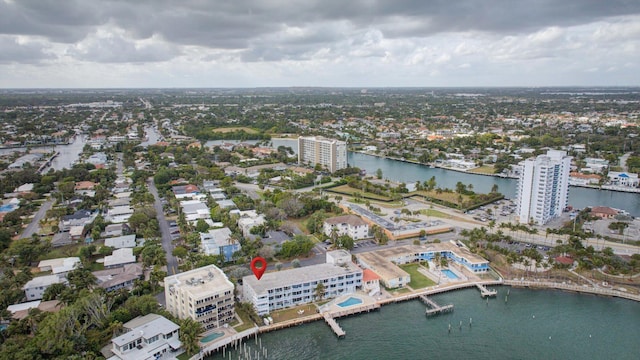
281 289
543 187
351 225
204 294
330 153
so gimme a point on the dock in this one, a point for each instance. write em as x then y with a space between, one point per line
484 292
433 307
334 325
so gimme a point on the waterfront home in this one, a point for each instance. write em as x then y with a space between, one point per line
149 337
603 212
623 179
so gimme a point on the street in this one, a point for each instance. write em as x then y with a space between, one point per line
172 262
34 225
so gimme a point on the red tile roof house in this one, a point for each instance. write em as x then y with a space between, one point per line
603 212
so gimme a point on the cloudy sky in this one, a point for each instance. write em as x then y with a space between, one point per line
359 43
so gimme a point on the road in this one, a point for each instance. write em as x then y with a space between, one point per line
33 227
172 262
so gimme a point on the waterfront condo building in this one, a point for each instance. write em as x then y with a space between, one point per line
281 289
329 153
204 294
350 225
543 187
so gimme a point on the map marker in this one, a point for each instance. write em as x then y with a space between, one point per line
258 271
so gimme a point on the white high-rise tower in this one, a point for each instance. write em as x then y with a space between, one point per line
543 187
330 153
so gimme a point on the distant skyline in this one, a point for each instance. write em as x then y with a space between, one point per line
328 43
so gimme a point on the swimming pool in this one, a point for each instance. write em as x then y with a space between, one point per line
450 274
350 302
211 337
7 208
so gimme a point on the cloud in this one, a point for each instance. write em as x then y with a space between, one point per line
309 42
15 50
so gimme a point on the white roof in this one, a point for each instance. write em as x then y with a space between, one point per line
120 257
43 281
59 265
157 326
126 241
23 306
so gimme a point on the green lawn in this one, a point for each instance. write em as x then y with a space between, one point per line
348 190
435 213
418 281
484 169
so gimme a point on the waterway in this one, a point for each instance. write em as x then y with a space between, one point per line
408 172
533 324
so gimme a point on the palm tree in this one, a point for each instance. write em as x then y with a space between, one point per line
320 291
190 331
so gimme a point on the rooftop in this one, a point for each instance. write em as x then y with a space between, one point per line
201 281
304 274
352 220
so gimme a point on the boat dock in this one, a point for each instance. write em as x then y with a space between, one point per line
484 292
433 307
334 325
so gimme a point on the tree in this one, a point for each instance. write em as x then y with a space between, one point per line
190 331
295 263
379 173
345 242
202 226
320 291
180 252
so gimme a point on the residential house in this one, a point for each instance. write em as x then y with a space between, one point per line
115 230
119 278
21 311
194 210
185 191
59 265
125 241
35 288
79 218
149 337
119 257
604 212
219 242
249 219
623 179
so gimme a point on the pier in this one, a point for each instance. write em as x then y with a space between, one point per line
334 325
484 292
433 307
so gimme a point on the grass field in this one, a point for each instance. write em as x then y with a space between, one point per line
435 213
418 281
450 197
346 189
292 313
232 129
484 169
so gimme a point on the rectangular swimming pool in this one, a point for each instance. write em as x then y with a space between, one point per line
350 301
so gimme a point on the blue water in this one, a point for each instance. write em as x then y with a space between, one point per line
450 274
533 324
211 337
350 301
7 208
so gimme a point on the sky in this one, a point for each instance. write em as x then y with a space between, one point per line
329 43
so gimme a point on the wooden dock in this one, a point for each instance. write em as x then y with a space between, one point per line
334 325
484 292
433 308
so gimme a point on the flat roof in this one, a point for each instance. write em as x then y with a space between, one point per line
276 279
381 265
201 281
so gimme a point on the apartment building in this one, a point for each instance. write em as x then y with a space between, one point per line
204 294
543 187
329 153
292 287
351 225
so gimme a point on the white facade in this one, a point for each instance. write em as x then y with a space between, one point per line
623 178
35 288
543 187
282 289
351 225
149 337
204 294
330 153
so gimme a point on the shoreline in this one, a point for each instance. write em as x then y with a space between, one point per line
436 166
434 290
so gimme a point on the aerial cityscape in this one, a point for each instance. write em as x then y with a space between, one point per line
319 180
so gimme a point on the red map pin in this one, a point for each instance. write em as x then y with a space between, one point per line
258 271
